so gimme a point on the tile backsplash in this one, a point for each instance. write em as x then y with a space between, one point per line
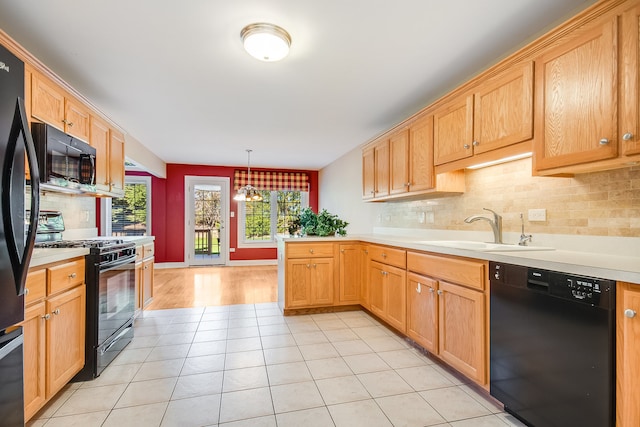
79 212
597 204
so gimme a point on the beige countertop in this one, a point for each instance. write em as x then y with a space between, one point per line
49 255
602 265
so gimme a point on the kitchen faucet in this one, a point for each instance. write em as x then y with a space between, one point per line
496 224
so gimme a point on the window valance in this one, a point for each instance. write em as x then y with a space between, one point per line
272 181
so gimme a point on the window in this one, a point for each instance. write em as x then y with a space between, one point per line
261 221
130 215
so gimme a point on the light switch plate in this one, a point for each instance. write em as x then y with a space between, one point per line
537 215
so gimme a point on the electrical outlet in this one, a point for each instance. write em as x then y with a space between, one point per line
232 214
537 215
232 249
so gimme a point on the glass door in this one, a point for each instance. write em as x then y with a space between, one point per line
206 234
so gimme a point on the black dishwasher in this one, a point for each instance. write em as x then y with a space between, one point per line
552 346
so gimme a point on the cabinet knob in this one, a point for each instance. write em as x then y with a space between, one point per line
46 316
311 250
373 192
64 121
314 265
70 124
366 252
384 255
419 288
72 276
466 146
627 136
56 311
431 290
308 265
342 250
26 291
630 313
604 141
475 143
408 184
439 291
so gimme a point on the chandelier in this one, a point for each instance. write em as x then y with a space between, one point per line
248 192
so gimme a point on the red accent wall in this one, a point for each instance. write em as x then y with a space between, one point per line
167 211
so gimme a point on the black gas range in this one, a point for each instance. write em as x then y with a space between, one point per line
110 289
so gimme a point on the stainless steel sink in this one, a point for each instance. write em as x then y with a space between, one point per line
483 247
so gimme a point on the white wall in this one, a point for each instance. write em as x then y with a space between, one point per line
340 192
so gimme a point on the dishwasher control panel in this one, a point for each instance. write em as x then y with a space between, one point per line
588 290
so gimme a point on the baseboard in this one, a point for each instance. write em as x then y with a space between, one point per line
252 262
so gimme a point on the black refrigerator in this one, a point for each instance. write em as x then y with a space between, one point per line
17 232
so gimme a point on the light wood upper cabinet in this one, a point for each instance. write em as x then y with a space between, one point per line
116 161
368 173
628 354
503 110
99 139
421 173
381 160
576 98
453 130
399 162
50 104
629 118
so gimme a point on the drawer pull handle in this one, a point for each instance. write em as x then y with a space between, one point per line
630 313
311 250
72 276
476 143
604 141
46 316
56 311
466 146
627 136
419 288
26 291
384 255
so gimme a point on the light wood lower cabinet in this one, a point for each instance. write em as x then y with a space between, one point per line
422 311
350 274
147 281
628 354
54 331
145 262
310 282
387 293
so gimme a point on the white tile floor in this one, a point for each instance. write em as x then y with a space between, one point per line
247 365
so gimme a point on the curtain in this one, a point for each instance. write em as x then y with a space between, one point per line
272 181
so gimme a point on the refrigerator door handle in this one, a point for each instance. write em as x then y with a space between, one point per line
20 261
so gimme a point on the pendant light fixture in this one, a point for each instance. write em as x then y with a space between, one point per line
266 42
248 192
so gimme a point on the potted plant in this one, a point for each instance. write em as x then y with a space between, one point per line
322 224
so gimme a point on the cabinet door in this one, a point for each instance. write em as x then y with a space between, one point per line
77 120
503 110
396 294
628 354
453 131
629 130
147 281
461 325
381 157
364 273
298 286
116 161
139 282
322 281
421 174
368 173
99 139
422 311
377 290
576 98
350 273
65 337
399 162
33 327
47 101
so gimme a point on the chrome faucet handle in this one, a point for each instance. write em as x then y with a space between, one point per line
524 238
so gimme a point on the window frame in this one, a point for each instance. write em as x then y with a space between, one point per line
242 243
106 211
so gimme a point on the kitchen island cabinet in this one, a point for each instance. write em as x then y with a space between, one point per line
54 330
310 275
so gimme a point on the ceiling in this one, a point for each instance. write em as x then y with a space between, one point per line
174 74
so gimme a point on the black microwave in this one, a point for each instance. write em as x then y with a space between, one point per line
65 163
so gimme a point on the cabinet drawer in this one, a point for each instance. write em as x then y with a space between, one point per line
457 270
309 250
139 253
36 286
148 250
65 276
389 256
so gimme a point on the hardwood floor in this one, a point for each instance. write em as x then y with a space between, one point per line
207 286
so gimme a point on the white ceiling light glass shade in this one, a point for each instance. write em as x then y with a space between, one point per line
266 42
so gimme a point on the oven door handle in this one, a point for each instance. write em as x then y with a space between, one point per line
115 340
117 263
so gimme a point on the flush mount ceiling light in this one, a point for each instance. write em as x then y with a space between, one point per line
266 42
248 192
